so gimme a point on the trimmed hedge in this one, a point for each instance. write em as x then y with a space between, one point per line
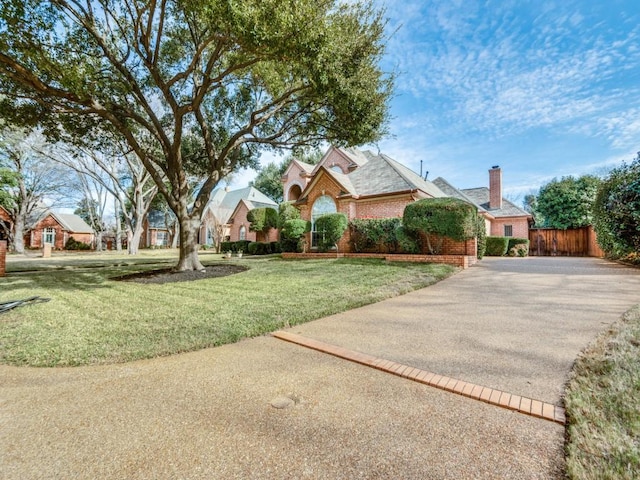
374 234
497 246
235 247
440 218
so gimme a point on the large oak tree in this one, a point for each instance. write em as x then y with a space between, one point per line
195 87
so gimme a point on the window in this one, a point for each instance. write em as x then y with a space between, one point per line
49 236
161 238
322 206
243 232
508 230
336 168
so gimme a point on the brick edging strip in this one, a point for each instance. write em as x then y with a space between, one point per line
528 406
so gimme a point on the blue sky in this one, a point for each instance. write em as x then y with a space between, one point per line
542 88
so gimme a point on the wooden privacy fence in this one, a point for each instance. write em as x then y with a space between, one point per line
574 242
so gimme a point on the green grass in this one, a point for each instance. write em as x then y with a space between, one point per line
603 406
92 319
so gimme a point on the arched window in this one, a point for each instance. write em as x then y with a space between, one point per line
337 168
243 232
321 206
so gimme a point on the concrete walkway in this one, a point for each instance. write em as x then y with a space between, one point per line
513 325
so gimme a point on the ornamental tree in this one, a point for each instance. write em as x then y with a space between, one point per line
262 220
195 87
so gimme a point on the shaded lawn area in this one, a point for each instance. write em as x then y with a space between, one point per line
93 319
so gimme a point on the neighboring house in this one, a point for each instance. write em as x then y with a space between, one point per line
225 216
160 228
56 229
6 223
362 184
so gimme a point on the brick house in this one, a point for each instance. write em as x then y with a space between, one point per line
56 229
225 216
6 223
160 229
361 184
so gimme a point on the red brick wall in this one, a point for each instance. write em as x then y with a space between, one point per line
240 219
383 208
520 227
3 258
336 159
34 240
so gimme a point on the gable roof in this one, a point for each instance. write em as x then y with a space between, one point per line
354 156
71 222
480 197
452 191
377 175
223 203
383 175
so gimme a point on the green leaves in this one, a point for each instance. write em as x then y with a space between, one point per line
262 219
617 210
568 203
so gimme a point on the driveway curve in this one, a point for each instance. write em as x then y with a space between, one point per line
267 409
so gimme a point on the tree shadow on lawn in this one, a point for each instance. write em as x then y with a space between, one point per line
70 280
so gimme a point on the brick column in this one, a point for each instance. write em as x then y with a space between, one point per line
3 258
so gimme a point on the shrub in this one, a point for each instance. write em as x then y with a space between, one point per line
293 229
240 245
518 247
496 246
519 250
617 210
375 234
439 218
275 247
73 244
513 241
262 219
407 240
286 211
330 228
259 248
481 235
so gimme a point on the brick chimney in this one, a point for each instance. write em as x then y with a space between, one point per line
495 187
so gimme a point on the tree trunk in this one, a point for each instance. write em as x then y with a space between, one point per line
189 245
18 234
133 240
98 241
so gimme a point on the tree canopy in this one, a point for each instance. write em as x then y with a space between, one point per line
617 210
568 202
195 87
269 178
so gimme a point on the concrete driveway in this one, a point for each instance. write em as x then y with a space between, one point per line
511 324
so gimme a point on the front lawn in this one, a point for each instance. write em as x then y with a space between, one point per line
603 406
93 319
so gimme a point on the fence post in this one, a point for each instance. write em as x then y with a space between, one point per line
3 258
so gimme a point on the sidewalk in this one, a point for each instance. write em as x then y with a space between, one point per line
212 414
